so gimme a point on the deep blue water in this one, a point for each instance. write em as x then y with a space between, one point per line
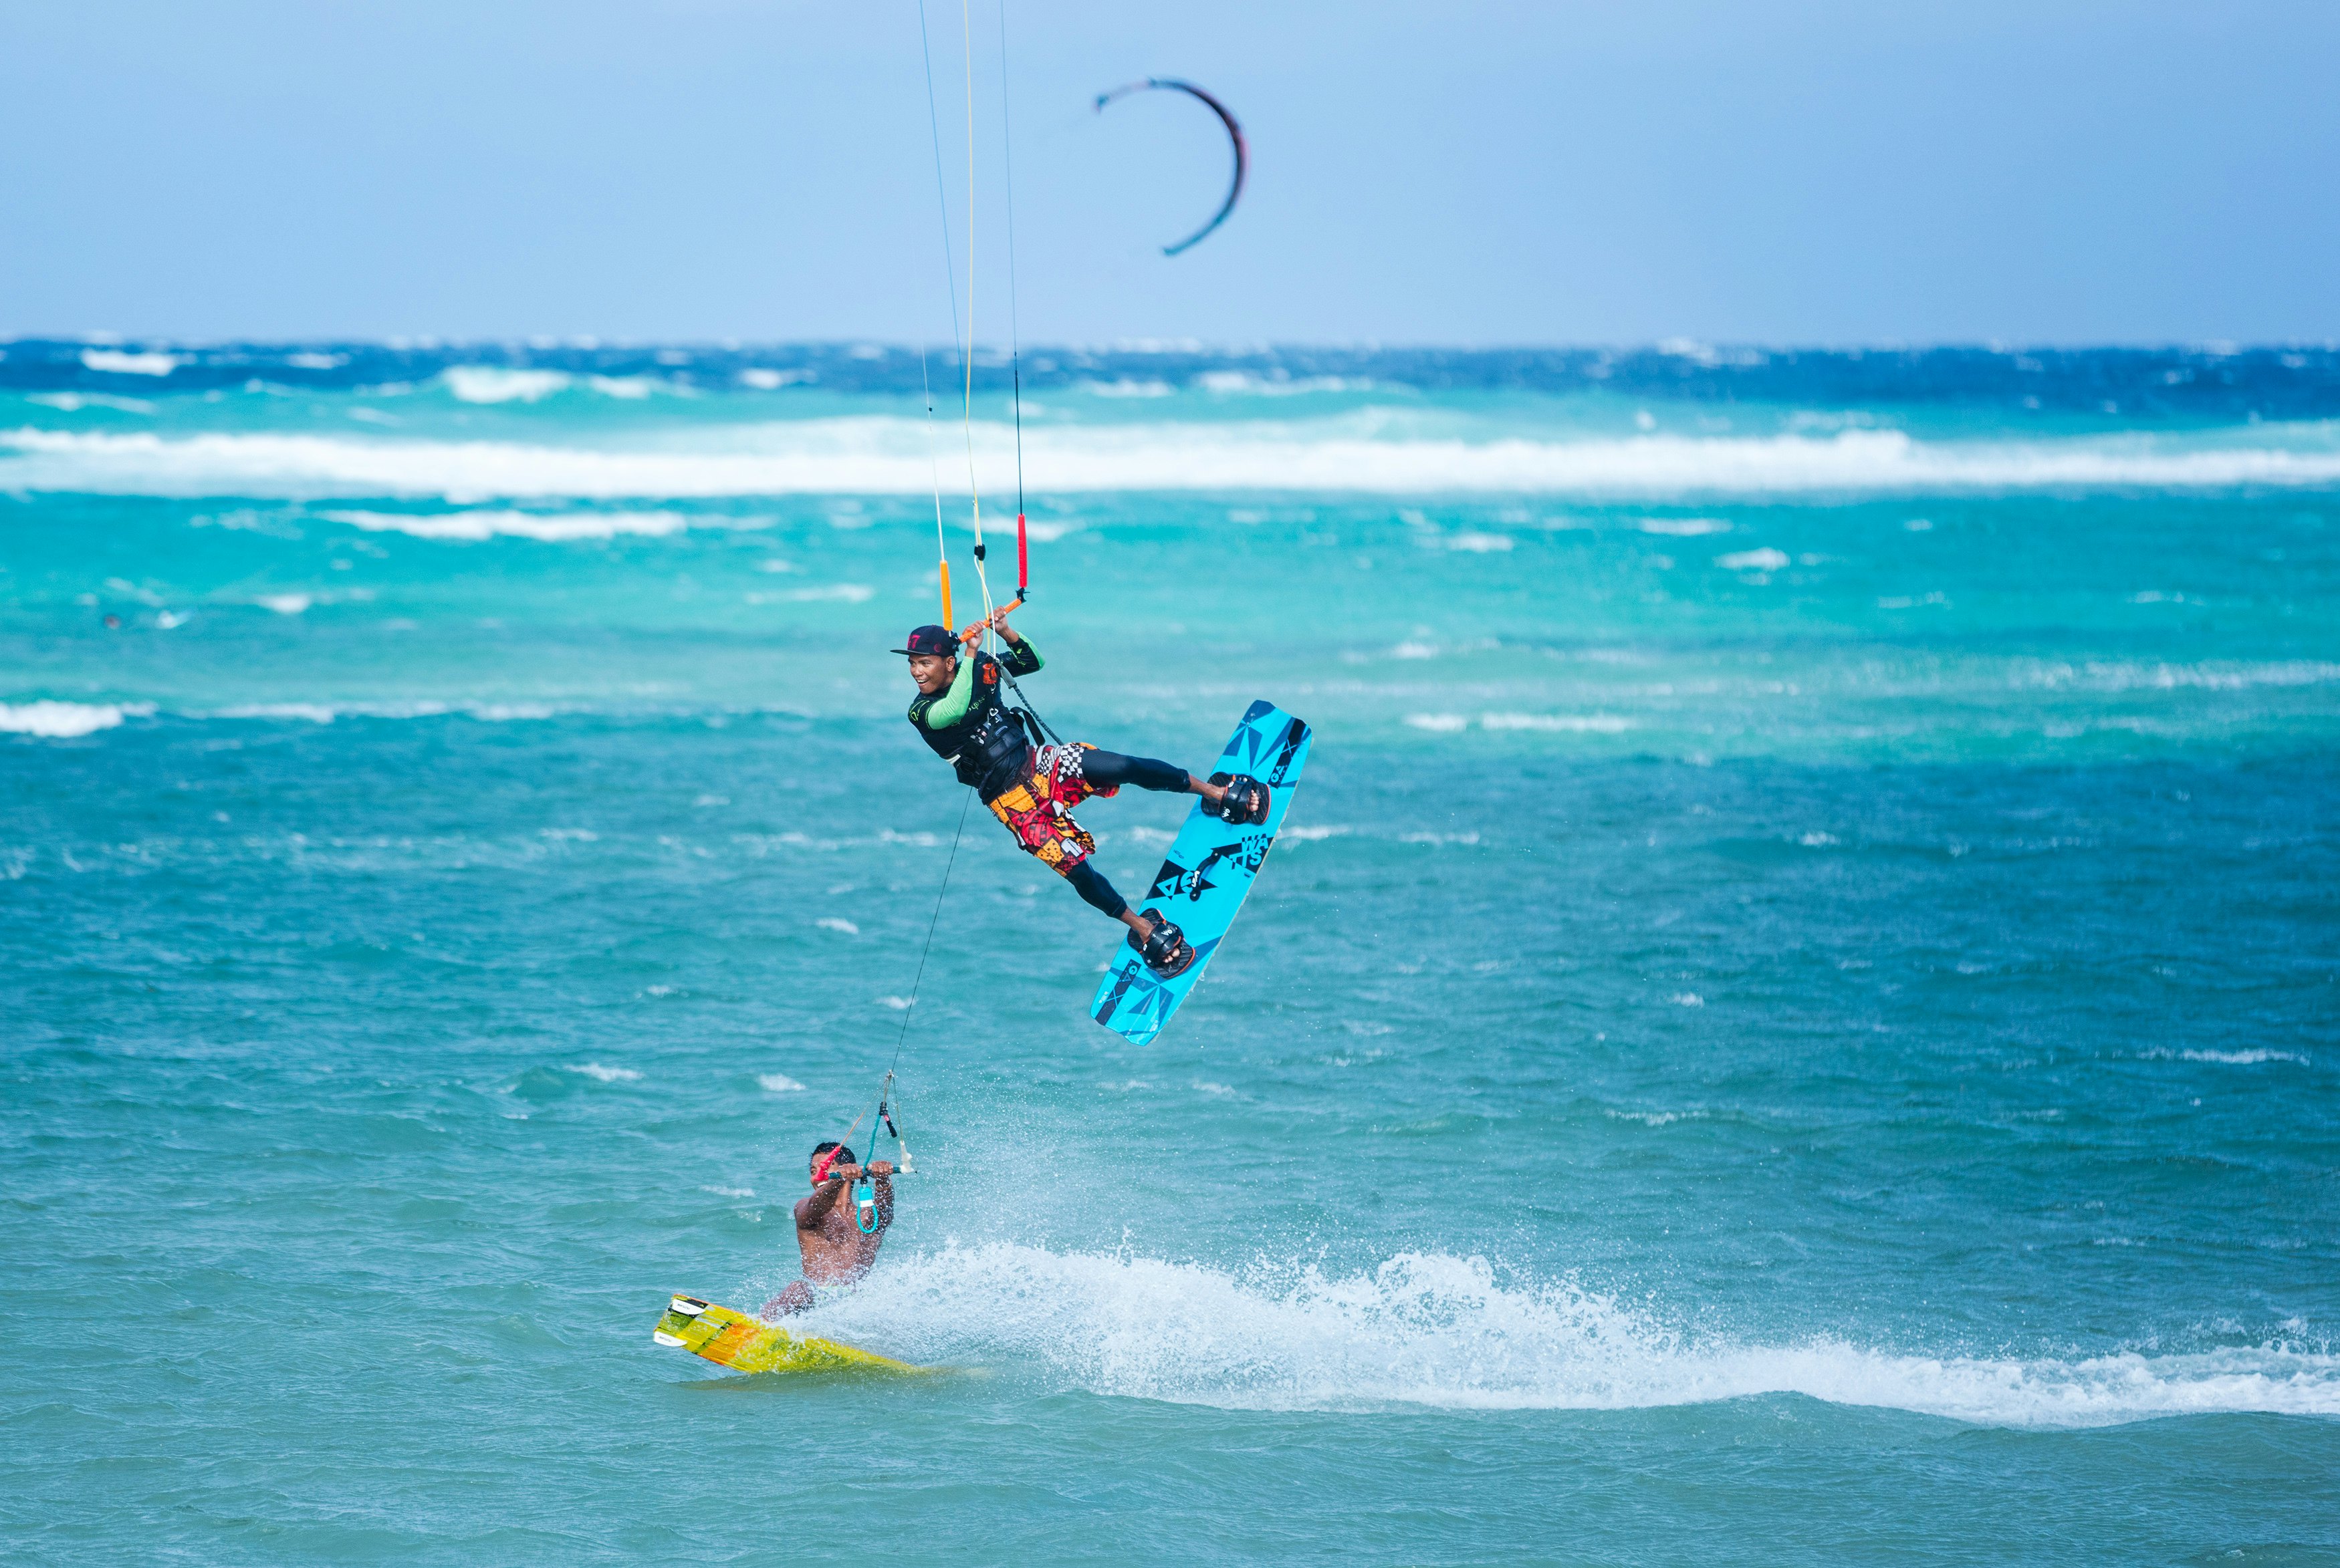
1795 1018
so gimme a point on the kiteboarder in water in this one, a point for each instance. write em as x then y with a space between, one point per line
1032 786
830 1234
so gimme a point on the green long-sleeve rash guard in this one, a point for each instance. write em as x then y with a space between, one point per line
956 703
946 720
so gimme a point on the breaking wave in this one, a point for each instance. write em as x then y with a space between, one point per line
885 455
1430 1330
51 720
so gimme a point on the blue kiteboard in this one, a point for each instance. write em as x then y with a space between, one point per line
1210 868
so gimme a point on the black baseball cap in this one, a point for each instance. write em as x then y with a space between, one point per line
931 640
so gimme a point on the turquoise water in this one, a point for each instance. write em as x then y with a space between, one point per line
1794 1020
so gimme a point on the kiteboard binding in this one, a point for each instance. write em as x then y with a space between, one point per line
1165 949
1246 802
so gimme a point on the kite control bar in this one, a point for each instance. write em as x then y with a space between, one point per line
976 630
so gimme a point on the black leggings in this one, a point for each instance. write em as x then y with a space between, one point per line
1109 770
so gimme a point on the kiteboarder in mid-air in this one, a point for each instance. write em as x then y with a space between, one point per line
1032 786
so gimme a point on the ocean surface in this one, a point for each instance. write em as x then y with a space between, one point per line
1796 1018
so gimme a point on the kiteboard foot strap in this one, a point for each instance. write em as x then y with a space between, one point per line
1165 949
1245 802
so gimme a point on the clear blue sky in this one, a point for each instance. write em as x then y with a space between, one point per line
2047 171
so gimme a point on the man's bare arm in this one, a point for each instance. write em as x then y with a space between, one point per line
811 1211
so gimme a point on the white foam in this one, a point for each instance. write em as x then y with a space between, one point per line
1477 544
312 712
1429 1329
887 455
53 720
327 713
114 362
286 603
2253 1057
632 388
2209 675
553 528
316 361
767 380
1684 528
1766 559
1573 723
1438 724
74 402
495 384
1127 387
1245 383
832 924
599 1074
778 1083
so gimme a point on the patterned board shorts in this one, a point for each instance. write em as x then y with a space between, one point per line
1039 810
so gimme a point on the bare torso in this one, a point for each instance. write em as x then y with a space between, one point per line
836 1249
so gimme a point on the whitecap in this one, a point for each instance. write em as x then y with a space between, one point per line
2251 1056
1438 724
889 455
1762 560
285 604
115 362
631 389
778 1083
767 380
1682 527
496 384
314 713
51 720
600 1074
74 402
1247 383
1577 724
832 923
548 527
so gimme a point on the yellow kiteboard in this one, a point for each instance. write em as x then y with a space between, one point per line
746 1344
